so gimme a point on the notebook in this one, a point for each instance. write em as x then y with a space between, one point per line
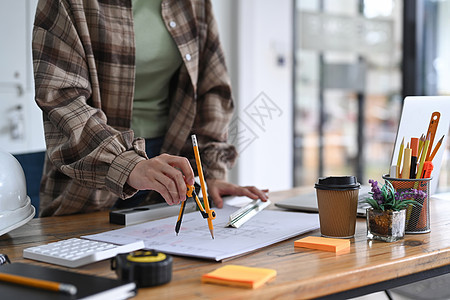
308 202
88 286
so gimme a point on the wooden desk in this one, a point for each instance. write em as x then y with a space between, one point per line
368 266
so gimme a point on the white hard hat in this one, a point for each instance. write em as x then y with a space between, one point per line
15 206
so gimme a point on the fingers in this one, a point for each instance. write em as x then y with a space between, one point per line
261 194
175 184
161 176
218 188
248 192
217 199
253 193
166 174
180 174
166 193
183 164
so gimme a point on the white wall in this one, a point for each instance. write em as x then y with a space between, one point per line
21 130
255 35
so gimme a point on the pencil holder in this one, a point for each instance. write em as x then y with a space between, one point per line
417 217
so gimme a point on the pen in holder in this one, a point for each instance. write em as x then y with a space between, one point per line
417 217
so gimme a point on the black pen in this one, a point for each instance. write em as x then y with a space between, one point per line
414 151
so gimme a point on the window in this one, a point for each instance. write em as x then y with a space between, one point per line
347 87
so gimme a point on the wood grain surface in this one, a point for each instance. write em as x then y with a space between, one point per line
301 273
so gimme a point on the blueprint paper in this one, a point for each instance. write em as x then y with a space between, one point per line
194 239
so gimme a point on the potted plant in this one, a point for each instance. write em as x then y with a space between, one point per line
387 214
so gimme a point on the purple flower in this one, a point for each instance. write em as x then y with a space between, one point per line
377 195
388 198
413 194
374 184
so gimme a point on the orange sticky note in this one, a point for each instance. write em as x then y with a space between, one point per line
323 243
249 277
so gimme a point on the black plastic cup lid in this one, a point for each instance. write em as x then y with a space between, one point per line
337 183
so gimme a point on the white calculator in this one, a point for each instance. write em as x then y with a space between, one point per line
76 252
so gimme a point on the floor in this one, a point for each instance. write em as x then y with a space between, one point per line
437 288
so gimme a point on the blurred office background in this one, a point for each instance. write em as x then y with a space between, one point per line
334 74
318 84
356 60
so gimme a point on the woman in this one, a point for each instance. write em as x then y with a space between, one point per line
120 82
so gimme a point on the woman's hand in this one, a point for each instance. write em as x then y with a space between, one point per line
218 188
166 174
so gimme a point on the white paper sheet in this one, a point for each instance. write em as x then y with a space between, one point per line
194 239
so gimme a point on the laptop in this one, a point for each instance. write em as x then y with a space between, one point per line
308 202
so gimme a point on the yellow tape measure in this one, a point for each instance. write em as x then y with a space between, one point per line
145 257
145 267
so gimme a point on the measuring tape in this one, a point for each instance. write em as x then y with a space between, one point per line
4 259
145 267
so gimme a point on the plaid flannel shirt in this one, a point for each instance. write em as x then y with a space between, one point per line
84 64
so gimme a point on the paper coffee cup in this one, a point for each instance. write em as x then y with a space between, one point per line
337 198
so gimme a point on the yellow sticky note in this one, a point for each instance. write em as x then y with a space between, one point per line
249 277
323 243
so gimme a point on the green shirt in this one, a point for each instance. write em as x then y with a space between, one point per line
157 59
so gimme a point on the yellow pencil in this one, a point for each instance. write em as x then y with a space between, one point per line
399 159
421 142
39 283
422 157
211 213
436 148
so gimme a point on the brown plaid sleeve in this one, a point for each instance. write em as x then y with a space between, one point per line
77 68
